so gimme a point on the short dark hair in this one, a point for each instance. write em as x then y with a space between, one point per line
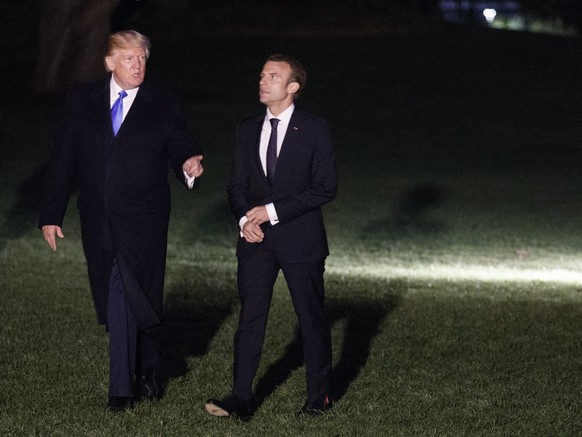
298 73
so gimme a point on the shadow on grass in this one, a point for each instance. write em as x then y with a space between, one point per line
412 215
363 321
190 323
218 227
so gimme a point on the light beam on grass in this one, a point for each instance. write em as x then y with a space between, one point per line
463 273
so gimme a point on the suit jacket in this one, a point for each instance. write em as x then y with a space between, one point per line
305 180
124 195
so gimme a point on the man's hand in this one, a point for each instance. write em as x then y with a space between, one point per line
49 232
252 233
193 167
258 215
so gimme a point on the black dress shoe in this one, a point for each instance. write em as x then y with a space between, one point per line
149 385
316 407
118 404
231 406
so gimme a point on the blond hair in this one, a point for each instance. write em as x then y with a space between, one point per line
126 39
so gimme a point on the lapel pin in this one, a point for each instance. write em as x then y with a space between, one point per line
295 128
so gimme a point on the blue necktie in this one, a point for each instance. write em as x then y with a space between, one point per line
117 112
272 150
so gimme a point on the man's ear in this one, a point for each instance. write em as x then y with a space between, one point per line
110 64
293 87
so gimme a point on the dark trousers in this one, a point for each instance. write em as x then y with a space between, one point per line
256 278
130 350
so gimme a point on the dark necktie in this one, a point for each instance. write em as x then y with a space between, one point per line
272 150
117 112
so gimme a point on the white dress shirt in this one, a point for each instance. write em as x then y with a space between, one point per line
284 119
114 95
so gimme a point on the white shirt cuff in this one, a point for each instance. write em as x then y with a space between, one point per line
189 180
241 223
273 218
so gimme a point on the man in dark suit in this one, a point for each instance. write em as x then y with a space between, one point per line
283 171
117 140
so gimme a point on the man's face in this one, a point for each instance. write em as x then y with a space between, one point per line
128 67
274 86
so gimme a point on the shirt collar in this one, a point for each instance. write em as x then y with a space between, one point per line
114 90
284 116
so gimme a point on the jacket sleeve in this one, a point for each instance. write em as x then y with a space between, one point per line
60 170
237 186
182 145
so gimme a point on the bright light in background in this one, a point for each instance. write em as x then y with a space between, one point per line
505 14
479 273
489 14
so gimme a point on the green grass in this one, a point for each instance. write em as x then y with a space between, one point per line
455 274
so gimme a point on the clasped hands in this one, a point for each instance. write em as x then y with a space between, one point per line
251 230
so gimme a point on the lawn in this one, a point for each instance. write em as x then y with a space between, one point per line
455 276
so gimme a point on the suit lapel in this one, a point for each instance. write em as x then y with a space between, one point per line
134 116
288 147
257 146
102 114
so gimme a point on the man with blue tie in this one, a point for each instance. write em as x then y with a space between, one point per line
117 140
283 172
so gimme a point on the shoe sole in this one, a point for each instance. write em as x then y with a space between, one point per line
216 410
